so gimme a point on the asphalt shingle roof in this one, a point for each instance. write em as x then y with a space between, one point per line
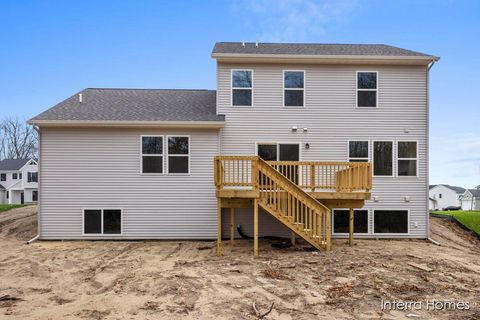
475 192
100 104
314 49
12 164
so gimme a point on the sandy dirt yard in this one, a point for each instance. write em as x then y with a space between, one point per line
186 280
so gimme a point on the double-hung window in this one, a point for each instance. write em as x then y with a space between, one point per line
242 87
14 176
367 87
407 158
178 154
358 151
152 154
382 158
3 177
102 221
32 176
294 88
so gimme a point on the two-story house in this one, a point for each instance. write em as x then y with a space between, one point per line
444 195
308 140
18 181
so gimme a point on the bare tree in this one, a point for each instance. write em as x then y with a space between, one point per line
17 139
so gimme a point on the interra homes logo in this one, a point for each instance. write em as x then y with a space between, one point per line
429 305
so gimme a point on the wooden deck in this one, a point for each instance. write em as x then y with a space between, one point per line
300 194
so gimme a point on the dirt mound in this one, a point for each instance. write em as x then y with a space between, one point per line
186 280
20 223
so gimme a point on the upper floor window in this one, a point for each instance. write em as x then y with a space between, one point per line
367 88
178 154
32 176
152 154
294 88
242 87
382 158
358 151
407 158
14 176
3 177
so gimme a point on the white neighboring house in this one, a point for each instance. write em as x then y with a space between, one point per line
443 195
18 181
471 200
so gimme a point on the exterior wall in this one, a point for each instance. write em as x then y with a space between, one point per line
100 168
28 194
449 197
3 200
332 119
10 181
469 203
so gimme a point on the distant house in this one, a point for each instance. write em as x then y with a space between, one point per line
443 195
471 199
18 181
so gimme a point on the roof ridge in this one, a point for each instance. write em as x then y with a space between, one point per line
313 43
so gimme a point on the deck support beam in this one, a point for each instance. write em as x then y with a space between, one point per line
232 225
219 227
292 238
350 227
255 228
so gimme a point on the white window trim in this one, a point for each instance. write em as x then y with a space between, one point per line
356 89
178 155
151 154
391 234
416 159
278 147
303 89
240 88
101 217
355 233
373 159
358 140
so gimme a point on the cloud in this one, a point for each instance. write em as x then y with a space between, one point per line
292 20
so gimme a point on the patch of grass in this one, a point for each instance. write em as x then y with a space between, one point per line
470 219
6 207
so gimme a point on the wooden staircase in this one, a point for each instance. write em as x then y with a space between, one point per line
299 194
293 207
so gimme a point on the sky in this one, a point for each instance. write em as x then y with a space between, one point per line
50 50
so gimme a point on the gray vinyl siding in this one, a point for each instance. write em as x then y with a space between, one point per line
100 168
332 119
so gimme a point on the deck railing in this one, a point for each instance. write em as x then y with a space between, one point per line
242 171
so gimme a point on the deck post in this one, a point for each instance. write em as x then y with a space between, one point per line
350 227
232 230
292 239
328 230
255 227
219 226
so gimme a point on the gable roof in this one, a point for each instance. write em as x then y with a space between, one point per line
134 105
475 192
13 164
224 49
2 187
458 190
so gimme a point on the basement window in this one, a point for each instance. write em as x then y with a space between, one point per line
341 219
102 221
390 221
358 151
367 88
179 154
407 158
242 87
294 88
382 158
152 154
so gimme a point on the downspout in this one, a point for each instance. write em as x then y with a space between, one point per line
38 189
